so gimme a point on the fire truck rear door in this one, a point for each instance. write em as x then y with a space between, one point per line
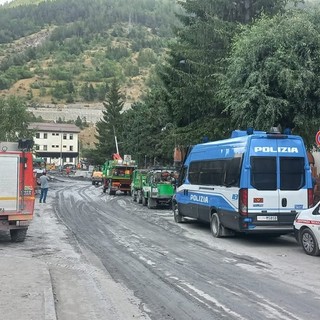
9 182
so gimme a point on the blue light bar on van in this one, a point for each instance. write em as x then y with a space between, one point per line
287 131
276 136
242 133
250 131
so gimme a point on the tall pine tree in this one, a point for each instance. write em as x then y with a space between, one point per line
110 125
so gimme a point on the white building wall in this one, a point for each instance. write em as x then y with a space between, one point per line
59 142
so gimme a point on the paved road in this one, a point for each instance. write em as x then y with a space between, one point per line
178 271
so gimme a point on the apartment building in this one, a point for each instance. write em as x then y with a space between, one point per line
56 143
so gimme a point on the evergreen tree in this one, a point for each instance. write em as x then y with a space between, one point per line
111 123
78 122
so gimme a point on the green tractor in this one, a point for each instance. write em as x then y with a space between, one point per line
158 188
138 179
117 175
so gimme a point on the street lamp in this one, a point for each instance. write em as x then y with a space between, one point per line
171 126
167 127
61 162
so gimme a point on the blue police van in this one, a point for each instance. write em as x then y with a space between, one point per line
253 182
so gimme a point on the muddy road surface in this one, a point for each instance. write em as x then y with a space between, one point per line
175 271
109 258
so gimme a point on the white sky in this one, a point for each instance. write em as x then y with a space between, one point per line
4 1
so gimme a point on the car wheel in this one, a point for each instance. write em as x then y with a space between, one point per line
178 218
215 226
309 243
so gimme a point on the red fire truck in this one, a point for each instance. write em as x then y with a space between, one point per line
17 192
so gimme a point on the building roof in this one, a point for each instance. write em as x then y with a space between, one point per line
53 127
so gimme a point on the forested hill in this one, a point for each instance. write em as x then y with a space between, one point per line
81 44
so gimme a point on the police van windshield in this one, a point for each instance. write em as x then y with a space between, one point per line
264 173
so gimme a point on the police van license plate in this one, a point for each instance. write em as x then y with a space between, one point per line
267 218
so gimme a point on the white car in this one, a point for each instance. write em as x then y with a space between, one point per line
307 230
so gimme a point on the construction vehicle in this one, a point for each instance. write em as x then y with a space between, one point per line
159 187
17 188
138 179
97 176
117 174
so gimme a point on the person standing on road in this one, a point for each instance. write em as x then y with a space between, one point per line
44 187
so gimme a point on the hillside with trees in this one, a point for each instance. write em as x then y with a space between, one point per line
66 51
225 65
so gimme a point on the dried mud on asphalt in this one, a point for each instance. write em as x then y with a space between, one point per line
81 286
111 258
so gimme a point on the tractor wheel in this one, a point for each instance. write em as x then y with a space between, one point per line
139 197
152 203
144 200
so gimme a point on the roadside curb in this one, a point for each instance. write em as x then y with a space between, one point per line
26 289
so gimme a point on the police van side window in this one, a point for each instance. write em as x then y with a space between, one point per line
292 175
263 173
194 172
233 172
222 172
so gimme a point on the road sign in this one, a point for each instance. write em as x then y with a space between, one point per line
318 138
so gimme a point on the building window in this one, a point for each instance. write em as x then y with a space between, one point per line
71 148
65 136
45 136
55 134
71 136
38 135
64 147
45 147
37 147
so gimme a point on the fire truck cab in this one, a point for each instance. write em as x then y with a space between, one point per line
17 194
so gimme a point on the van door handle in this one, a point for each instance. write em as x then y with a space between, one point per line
284 202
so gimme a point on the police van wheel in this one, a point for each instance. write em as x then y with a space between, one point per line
178 218
18 235
215 226
309 243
